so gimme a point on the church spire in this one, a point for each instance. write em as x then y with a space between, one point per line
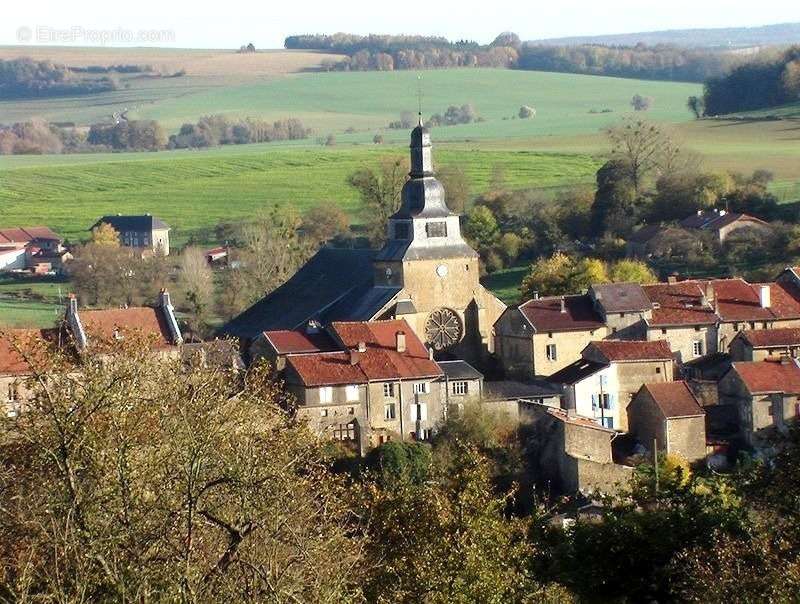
421 156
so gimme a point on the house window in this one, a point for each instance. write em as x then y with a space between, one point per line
460 388
697 348
663 332
351 411
608 422
389 411
436 229
605 401
552 355
658 369
344 432
697 328
13 393
421 388
764 325
135 242
388 390
146 240
351 393
427 433
326 394
735 327
419 412
323 413
752 325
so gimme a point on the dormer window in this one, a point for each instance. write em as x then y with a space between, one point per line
436 229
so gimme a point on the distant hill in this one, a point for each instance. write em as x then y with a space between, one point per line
734 37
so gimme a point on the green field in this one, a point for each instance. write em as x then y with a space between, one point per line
193 192
30 303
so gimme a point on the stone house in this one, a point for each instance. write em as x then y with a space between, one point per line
146 233
602 382
426 274
156 324
544 335
574 454
624 308
460 383
740 306
381 385
722 223
765 394
683 316
15 367
765 344
668 416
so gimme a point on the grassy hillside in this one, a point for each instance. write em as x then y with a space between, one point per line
195 191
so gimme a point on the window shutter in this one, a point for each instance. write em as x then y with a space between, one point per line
594 401
412 411
423 411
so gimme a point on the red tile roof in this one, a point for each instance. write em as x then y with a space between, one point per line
628 350
675 399
12 341
545 314
679 304
767 338
379 362
144 320
26 234
298 341
737 300
764 377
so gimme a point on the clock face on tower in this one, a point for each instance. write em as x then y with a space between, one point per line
441 270
443 329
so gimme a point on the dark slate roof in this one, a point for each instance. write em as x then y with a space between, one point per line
510 389
319 287
405 307
133 223
621 297
577 371
459 370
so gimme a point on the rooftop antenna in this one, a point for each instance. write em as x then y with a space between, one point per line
419 98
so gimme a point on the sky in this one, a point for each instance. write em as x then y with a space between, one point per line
185 24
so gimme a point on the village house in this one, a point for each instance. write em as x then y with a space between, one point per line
683 316
381 385
157 325
602 382
460 383
624 308
765 344
144 233
740 305
15 367
274 346
426 274
723 224
543 335
37 249
573 454
668 416
765 394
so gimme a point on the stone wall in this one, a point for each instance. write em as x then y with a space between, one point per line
681 339
686 436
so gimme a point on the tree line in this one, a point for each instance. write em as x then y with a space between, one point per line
132 476
768 81
26 78
38 137
386 53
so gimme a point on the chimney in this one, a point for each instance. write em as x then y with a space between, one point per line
169 316
312 327
722 212
672 278
163 298
535 295
355 357
430 354
699 212
74 323
72 306
362 347
400 339
563 305
764 296
785 359
710 294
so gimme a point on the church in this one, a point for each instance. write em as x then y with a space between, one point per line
426 273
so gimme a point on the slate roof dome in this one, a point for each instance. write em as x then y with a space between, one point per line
422 196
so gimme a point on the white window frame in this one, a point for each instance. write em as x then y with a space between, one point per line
352 393
421 388
326 394
460 388
389 411
697 348
323 412
388 390
552 352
